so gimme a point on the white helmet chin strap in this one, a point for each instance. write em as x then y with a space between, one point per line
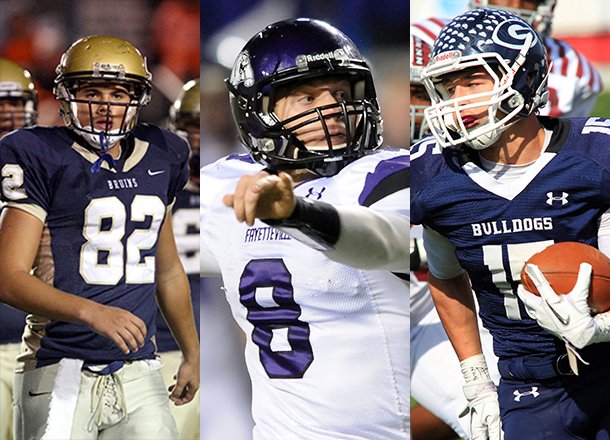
97 141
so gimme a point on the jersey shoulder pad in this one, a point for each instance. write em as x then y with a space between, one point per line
163 139
222 175
429 160
379 174
231 167
590 137
43 146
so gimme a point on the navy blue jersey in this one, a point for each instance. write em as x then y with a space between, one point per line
104 226
495 227
185 221
12 322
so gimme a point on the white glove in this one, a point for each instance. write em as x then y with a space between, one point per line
483 406
566 316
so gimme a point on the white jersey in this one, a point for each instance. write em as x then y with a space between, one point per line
573 81
327 345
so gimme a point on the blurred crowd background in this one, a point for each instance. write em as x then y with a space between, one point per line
585 24
183 39
35 34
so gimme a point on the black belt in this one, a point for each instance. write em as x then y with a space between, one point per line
535 368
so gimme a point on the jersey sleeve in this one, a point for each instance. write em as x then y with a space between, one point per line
440 255
372 240
28 169
375 234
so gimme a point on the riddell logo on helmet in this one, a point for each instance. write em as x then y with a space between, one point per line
302 61
99 68
446 56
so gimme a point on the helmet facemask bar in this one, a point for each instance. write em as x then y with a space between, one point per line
295 154
418 124
109 135
359 115
18 118
444 114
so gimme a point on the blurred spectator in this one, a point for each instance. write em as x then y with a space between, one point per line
219 137
175 36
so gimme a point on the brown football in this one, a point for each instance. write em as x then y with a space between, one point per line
560 263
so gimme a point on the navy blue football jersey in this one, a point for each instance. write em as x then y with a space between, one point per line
496 227
104 225
185 221
12 323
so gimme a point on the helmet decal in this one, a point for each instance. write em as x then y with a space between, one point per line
242 72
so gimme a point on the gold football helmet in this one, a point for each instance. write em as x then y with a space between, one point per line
102 60
18 97
184 120
185 110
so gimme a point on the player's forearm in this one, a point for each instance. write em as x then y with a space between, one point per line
173 296
455 306
356 236
26 292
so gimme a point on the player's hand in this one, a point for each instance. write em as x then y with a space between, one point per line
565 316
124 328
187 383
263 196
484 410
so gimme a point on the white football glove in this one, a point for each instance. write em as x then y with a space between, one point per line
566 316
483 407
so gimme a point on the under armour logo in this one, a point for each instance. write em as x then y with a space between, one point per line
313 193
552 198
534 392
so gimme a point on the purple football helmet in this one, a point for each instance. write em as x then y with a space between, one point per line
290 53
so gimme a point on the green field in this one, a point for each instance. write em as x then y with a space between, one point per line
602 107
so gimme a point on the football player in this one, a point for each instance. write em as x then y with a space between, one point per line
18 97
103 184
497 184
18 108
436 382
573 82
184 120
313 253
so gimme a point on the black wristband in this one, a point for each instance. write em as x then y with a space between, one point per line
318 221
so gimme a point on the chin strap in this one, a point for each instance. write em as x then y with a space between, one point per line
107 157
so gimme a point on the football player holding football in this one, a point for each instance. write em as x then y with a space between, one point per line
104 185
310 234
18 108
436 381
496 184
